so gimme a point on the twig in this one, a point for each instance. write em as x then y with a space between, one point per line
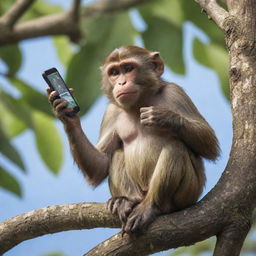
75 9
16 11
214 11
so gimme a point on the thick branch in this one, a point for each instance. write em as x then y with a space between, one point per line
167 232
215 11
231 240
197 223
178 229
15 12
57 24
54 219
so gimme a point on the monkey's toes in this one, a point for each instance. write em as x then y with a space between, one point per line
115 203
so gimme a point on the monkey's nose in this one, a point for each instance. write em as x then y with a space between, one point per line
122 83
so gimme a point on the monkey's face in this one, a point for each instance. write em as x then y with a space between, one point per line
122 77
130 75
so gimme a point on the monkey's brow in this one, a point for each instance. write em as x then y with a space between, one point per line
123 62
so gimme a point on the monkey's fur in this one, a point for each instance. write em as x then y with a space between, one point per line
151 144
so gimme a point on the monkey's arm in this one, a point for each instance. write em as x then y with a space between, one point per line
93 162
181 116
195 133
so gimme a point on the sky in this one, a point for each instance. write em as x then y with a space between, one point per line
41 188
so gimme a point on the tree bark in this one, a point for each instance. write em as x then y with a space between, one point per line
66 23
226 211
54 219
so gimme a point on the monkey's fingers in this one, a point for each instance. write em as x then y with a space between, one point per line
61 106
48 90
144 115
147 122
132 224
110 203
57 102
112 200
122 231
117 206
137 224
124 213
53 95
145 109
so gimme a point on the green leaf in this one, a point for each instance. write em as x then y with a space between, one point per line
31 96
12 57
11 125
48 141
63 48
5 5
171 11
214 57
41 8
17 107
9 182
163 36
83 71
180 251
9 151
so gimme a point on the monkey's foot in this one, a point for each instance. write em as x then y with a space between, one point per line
140 217
121 206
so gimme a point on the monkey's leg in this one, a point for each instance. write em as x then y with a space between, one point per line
122 207
124 192
169 174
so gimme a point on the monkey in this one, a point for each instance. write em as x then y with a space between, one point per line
152 140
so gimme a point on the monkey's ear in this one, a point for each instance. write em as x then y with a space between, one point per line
158 63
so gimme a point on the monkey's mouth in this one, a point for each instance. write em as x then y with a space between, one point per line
121 94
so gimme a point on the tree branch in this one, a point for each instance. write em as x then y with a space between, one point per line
54 219
215 11
203 220
166 232
231 240
58 24
15 12
75 9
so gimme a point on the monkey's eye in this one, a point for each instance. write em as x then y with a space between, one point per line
128 68
113 72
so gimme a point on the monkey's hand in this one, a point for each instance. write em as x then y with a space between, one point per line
122 207
140 218
157 117
59 107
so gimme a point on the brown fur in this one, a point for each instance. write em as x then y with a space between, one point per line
162 167
154 147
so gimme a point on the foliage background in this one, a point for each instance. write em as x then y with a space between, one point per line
36 168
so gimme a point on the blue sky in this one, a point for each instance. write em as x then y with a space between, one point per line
41 188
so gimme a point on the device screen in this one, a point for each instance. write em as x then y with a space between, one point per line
59 86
